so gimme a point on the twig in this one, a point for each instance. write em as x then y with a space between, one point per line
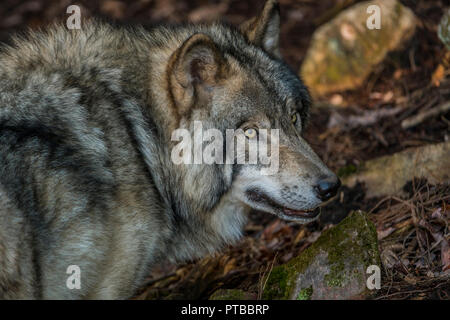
410 292
367 118
263 285
419 118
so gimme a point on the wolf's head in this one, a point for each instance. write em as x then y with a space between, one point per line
235 79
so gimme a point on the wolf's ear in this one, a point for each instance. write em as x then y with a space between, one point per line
264 30
194 69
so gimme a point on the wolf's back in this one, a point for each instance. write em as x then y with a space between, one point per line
67 160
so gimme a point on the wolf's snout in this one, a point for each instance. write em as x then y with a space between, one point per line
327 188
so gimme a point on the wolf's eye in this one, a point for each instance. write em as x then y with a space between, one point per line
250 133
294 118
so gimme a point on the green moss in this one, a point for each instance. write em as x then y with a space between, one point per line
228 294
346 171
277 286
335 279
305 294
352 243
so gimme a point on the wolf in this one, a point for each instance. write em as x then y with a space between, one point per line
86 177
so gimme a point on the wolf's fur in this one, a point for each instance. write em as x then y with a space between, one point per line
86 176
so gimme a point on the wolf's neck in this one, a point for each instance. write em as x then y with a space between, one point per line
203 218
202 235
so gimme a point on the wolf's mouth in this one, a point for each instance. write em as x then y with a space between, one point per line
258 196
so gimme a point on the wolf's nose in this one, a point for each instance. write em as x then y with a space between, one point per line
327 188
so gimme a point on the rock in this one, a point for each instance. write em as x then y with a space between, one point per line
444 29
344 51
334 267
232 294
387 175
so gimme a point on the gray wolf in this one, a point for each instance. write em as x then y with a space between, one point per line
86 176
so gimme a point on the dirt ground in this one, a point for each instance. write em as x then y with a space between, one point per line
408 79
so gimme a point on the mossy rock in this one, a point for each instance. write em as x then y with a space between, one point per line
231 294
334 267
344 51
388 174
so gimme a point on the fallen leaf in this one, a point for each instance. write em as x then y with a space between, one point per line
438 75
